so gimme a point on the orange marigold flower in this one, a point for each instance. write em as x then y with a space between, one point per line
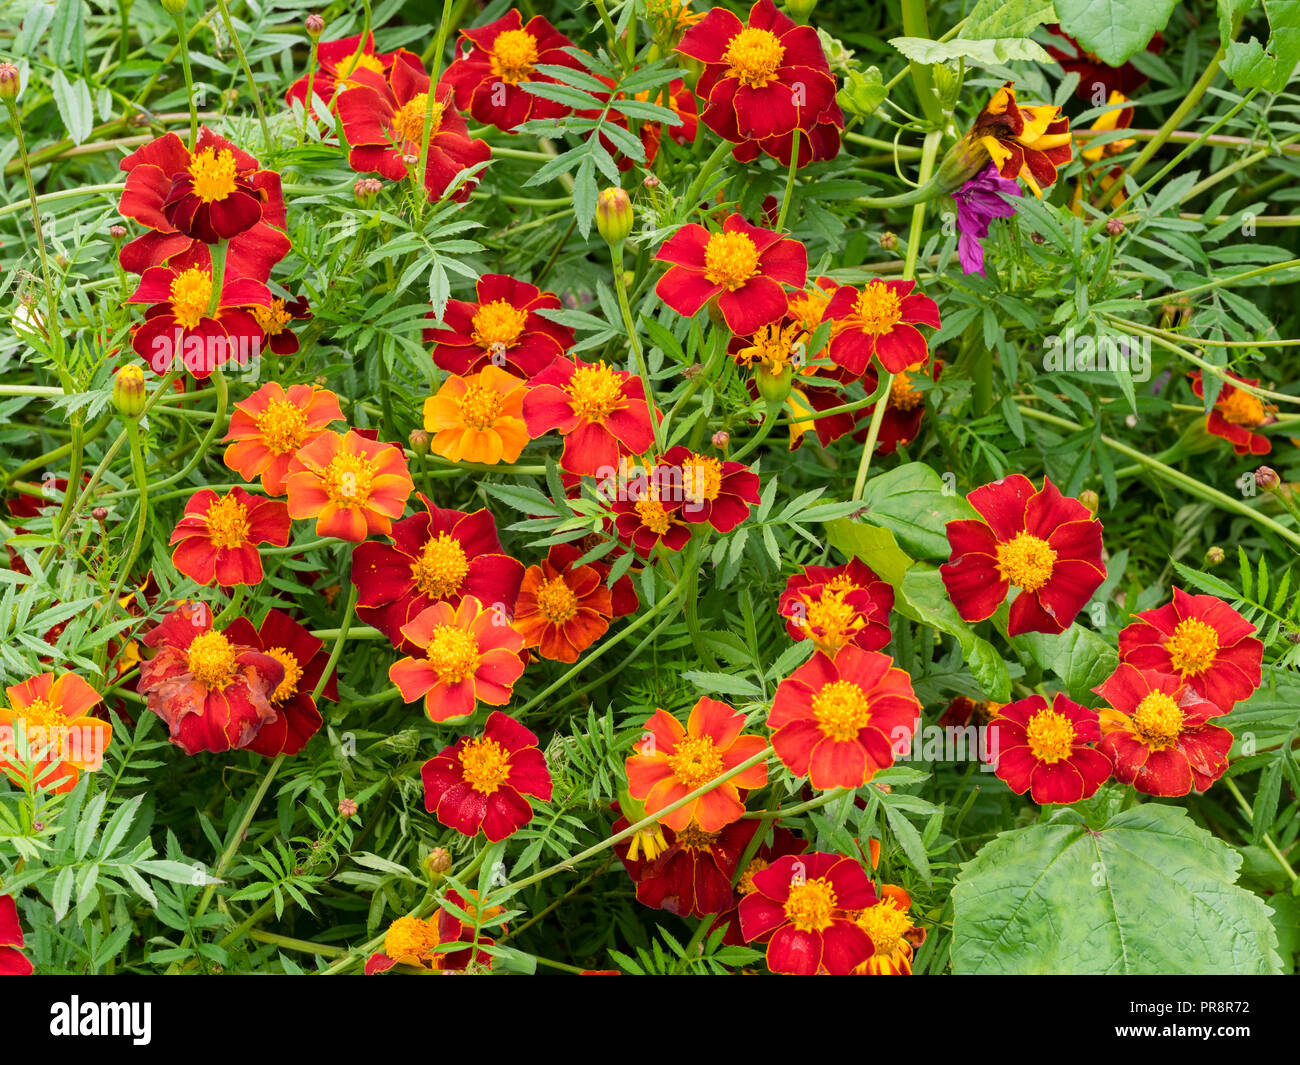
271 425
216 540
352 486
478 418
673 761
1236 413
469 654
413 941
563 608
62 739
894 938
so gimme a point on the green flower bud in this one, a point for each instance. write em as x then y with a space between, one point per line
129 391
614 215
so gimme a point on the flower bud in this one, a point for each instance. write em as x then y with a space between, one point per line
1214 555
173 7
1091 500
10 80
347 807
774 387
438 864
721 439
1267 479
799 10
367 191
1114 227
100 514
614 215
888 241
117 232
129 391
315 25
650 181
419 441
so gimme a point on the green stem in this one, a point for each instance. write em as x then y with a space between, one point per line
789 184
1175 120
248 73
625 309
182 35
707 168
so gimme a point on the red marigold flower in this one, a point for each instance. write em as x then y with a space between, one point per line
216 540
839 720
383 120
13 962
816 145
563 608
304 659
682 102
742 267
880 322
336 63
478 418
711 490
894 937
501 328
783 842
274 322
271 425
672 761
1045 751
178 329
1201 640
352 486
501 55
62 738
646 517
1236 412
214 694
1093 73
904 407
436 556
468 655
1046 544
480 783
414 941
962 711
763 79
838 605
802 907
601 413
1156 731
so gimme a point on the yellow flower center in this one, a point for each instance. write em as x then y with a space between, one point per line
441 567
773 348
283 426
514 54
42 714
807 310
191 292
902 396
830 619
498 322
701 478
361 61
652 515
1158 720
754 56
696 761
692 837
811 905
213 174
730 260
408 120
595 392
453 653
288 687
1026 561
480 406
227 523
877 309
841 710
211 660
272 319
647 844
886 924
347 479
1241 408
556 601
1193 646
1051 736
486 765
410 940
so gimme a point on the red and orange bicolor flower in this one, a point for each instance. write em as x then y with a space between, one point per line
413 941
1201 640
468 654
1029 143
742 267
879 322
216 541
13 962
271 425
351 485
62 738
894 938
1047 751
501 327
335 66
478 418
839 720
1236 413
274 321
649 516
672 761
502 54
1046 544
803 907
435 556
601 413
213 693
1156 730
712 490
563 608
304 659
383 119
838 605
480 783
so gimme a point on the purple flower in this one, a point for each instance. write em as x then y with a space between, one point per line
979 201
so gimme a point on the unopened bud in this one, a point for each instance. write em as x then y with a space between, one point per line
347 807
650 181
315 24
439 861
799 10
1091 500
889 241
129 391
367 190
614 215
1214 556
173 7
100 514
721 439
1267 479
774 387
117 232
419 441
10 79
1114 227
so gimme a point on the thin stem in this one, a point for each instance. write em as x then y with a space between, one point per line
248 73
183 36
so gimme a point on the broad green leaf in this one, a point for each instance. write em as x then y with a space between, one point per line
1252 65
1007 18
914 502
922 597
1113 30
75 106
872 544
1080 657
997 52
1149 892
